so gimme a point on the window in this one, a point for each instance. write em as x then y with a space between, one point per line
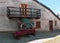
55 23
24 10
38 24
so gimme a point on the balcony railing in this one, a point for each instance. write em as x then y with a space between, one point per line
23 12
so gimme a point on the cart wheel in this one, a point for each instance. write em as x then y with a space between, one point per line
9 17
33 34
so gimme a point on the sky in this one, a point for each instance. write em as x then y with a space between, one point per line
54 5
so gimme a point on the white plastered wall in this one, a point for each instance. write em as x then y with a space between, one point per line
11 25
46 15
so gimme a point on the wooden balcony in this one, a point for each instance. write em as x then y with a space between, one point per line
16 12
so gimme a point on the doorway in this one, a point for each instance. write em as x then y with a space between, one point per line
51 25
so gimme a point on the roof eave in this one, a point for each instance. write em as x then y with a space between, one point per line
47 8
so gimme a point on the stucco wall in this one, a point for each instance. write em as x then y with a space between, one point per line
11 25
46 15
5 23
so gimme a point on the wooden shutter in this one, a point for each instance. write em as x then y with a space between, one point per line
38 24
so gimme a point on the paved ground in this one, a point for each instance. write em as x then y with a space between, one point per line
53 40
8 37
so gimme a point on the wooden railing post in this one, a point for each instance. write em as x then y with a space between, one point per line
21 12
8 12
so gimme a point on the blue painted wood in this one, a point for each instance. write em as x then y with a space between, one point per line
28 22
